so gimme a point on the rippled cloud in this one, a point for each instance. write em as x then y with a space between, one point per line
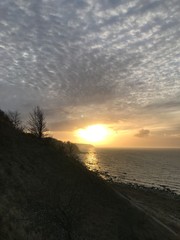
105 60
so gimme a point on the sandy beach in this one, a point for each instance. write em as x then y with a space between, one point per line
163 205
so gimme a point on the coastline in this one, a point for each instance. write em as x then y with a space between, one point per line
47 193
161 204
157 202
148 167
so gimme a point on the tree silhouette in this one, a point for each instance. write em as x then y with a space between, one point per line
37 123
15 119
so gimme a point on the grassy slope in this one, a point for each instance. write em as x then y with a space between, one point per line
45 194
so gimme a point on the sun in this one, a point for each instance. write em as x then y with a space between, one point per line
93 134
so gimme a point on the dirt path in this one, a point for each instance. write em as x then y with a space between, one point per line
141 208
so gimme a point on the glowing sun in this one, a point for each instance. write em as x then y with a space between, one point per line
93 133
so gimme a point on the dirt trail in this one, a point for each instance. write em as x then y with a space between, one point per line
140 207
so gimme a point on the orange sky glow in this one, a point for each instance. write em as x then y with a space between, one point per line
109 137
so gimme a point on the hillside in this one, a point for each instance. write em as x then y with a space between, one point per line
46 193
85 147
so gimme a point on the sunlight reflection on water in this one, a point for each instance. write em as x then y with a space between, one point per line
91 160
151 167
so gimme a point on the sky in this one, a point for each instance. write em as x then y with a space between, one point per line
110 62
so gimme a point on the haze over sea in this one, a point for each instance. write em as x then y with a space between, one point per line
148 167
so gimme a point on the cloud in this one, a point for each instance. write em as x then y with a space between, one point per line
143 133
119 58
165 105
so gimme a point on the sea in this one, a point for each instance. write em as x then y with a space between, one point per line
158 168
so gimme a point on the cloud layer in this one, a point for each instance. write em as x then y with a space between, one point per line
107 60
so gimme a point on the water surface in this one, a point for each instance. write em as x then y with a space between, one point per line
148 167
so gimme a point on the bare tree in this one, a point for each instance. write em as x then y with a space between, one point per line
37 122
15 119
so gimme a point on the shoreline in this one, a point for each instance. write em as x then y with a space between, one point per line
164 205
161 204
163 189
169 184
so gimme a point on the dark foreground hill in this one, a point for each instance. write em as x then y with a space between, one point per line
45 193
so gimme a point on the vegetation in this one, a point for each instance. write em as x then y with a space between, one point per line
47 194
15 119
37 122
